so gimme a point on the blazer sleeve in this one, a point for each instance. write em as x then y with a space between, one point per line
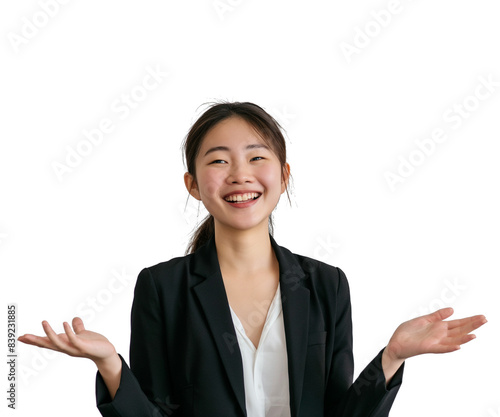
144 389
368 396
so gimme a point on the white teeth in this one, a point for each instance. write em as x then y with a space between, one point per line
241 197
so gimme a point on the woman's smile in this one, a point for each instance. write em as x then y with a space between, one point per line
242 199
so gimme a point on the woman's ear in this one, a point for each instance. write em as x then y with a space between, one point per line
191 186
286 177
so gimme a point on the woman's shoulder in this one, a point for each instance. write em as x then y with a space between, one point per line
319 272
171 264
166 272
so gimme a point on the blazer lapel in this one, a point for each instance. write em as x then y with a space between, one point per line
213 299
295 304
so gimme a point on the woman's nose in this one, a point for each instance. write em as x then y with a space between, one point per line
239 173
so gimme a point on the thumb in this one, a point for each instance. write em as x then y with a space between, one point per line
77 324
440 314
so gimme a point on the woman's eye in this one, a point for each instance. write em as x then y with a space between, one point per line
257 158
218 161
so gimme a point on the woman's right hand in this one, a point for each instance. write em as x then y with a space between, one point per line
82 343
76 342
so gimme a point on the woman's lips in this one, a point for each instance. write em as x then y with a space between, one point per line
243 204
242 196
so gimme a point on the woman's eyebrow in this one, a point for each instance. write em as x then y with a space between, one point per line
225 148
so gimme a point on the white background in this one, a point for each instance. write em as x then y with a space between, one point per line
430 241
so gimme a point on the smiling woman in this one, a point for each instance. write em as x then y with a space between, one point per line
241 326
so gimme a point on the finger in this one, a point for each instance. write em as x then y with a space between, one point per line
77 324
71 336
31 339
54 338
475 321
465 326
445 348
440 314
460 340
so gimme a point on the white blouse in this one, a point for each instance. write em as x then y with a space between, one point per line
265 369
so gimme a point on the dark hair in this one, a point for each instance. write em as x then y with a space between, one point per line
263 123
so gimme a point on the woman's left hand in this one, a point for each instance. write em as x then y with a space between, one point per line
431 334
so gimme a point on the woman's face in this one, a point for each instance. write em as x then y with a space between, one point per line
238 177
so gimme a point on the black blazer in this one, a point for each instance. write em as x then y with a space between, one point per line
184 354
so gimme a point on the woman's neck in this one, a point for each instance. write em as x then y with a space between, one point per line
244 251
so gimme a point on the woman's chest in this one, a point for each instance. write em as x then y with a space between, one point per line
250 300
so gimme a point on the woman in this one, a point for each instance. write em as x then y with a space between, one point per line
241 326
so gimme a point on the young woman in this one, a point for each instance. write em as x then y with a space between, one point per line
241 326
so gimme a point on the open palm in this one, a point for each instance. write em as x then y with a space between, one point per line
77 342
431 334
